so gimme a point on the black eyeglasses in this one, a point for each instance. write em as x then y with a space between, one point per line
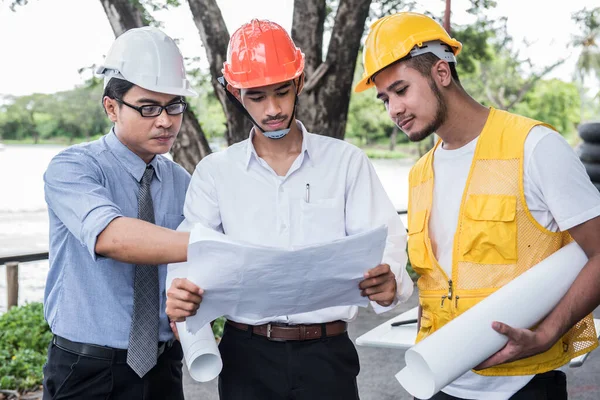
155 110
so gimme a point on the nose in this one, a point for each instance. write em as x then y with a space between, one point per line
396 107
164 120
273 107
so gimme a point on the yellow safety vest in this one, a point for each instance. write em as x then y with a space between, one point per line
496 240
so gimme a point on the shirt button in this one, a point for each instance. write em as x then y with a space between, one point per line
280 189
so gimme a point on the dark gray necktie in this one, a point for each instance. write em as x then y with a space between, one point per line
143 337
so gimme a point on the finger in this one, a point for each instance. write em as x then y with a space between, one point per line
499 358
179 313
183 295
185 284
184 306
378 270
512 333
385 298
376 281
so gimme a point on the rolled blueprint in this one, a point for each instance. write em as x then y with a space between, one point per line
201 353
200 350
468 340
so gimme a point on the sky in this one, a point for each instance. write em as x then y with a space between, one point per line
43 44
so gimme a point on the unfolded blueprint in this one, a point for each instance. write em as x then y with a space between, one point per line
245 280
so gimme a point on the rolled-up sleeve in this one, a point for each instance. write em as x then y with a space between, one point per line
368 206
201 201
74 191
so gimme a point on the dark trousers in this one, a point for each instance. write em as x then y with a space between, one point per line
72 376
551 385
255 368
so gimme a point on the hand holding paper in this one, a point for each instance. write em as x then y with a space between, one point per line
183 299
379 285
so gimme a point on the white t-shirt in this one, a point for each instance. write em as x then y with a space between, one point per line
559 195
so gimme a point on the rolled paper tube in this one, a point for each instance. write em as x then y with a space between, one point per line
469 339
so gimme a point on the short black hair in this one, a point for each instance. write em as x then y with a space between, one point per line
423 63
116 89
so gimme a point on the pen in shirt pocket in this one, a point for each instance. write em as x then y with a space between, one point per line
307 198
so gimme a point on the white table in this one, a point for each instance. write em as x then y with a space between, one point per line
404 336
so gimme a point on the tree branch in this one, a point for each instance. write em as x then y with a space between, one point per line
531 81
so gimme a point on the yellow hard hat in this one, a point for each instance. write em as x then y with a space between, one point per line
395 36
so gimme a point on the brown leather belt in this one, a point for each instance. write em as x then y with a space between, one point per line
280 332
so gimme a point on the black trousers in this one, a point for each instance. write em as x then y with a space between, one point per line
255 368
72 376
551 385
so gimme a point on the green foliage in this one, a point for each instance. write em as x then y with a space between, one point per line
24 338
218 327
554 102
72 114
207 107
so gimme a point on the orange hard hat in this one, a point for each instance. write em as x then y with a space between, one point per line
261 53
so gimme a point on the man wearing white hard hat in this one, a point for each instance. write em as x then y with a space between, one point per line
113 205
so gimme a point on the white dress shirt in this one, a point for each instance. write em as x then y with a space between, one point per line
236 192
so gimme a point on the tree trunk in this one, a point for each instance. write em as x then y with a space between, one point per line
190 148
215 37
447 13
191 144
323 107
123 15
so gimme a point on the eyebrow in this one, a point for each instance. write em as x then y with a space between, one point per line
251 92
390 88
152 101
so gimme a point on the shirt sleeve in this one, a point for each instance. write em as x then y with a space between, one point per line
368 206
74 191
559 179
201 201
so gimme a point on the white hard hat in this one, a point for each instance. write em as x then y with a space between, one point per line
147 57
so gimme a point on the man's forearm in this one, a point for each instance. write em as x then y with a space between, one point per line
134 241
581 299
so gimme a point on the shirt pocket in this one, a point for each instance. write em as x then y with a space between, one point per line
489 231
417 251
172 221
323 220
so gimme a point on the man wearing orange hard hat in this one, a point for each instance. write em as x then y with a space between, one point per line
496 195
287 187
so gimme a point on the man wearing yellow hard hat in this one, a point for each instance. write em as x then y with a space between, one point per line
496 195
283 187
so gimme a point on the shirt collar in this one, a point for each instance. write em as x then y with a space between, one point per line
306 145
128 159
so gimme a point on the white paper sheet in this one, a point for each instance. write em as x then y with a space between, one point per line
260 282
200 350
468 340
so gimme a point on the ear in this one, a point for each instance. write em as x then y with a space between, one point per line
235 91
299 82
441 73
111 107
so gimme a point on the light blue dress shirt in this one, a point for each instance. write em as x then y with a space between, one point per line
89 298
